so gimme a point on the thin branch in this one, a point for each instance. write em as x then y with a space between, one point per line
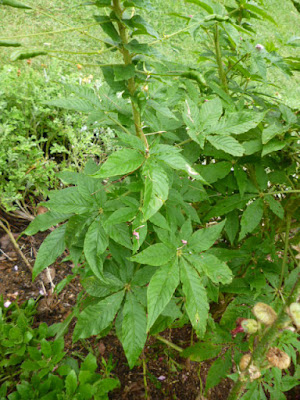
16 246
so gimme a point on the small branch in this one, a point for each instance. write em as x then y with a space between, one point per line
222 74
16 246
286 248
170 344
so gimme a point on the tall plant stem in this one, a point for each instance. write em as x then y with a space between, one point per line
265 343
222 74
286 248
123 31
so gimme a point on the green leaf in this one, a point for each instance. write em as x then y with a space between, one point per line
120 234
9 43
160 290
69 200
71 383
108 27
73 103
259 11
201 351
204 238
237 123
273 145
46 348
123 72
133 329
120 163
156 189
202 4
275 206
14 3
51 248
216 270
95 244
251 217
241 178
226 205
218 371
232 225
196 302
45 221
124 214
158 254
271 131
213 172
177 161
27 54
159 220
95 318
227 144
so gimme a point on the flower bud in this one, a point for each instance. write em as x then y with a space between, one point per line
278 358
254 372
250 325
259 47
264 313
245 362
294 312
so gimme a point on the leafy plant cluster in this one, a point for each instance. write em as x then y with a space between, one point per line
35 366
36 141
193 218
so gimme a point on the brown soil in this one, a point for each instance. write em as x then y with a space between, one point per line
168 375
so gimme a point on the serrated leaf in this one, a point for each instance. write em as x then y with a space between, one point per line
196 302
273 145
120 163
133 329
177 162
237 123
26 54
275 206
201 351
97 317
259 11
45 221
51 248
95 244
241 178
108 27
158 254
120 234
271 131
203 239
227 144
232 225
202 4
218 371
72 103
124 214
213 172
251 217
71 383
160 290
123 72
216 270
227 205
156 189
69 200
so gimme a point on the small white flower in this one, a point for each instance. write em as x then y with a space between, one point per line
16 268
259 47
7 304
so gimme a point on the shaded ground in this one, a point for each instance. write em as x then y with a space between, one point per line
168 375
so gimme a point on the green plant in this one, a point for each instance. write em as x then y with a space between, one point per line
191 218
33 366
37 141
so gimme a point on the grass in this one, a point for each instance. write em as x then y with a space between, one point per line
32 27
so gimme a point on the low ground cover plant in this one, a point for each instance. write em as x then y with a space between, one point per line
193 218
34 365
